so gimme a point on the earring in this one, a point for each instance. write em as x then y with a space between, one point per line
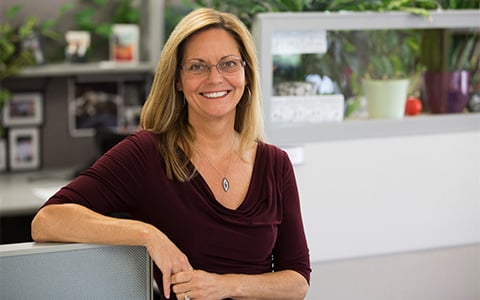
249 98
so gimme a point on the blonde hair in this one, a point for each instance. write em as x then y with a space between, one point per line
165 112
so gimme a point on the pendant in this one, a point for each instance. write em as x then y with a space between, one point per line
225 184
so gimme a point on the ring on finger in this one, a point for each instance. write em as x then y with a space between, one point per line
186 296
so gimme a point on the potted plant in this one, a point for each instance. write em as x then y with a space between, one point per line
90 18
14 56
451 61
383 64
386 63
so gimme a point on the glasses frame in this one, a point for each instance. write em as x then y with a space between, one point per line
209 67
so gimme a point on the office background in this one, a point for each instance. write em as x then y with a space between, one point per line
391 211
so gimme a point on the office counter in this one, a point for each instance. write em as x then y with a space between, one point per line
24 192
21 195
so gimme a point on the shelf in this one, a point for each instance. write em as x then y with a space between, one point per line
267 25
460 18
152 35
376 128
72 69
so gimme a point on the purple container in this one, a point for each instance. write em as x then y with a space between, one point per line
446 92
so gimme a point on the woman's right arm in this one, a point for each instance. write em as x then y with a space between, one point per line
76 223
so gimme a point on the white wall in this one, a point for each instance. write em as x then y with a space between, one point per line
393 218
387 195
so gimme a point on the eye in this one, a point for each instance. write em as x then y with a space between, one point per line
196 67
230 65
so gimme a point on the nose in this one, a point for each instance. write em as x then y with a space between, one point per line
214 75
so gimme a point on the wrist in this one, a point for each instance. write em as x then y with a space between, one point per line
146 234
232 284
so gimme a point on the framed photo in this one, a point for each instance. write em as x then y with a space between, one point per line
34 43
94 105
24 148
23 109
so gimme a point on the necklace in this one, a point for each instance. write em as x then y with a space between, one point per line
225 181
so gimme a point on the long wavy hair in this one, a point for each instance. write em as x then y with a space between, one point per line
165 112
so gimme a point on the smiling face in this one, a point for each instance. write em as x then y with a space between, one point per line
214 94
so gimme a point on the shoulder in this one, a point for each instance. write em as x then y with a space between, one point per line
143 138
143 135
271 151
141 142
272 155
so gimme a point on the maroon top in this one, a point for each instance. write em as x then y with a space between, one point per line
265 233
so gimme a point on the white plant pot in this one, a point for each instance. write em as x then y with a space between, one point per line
386 98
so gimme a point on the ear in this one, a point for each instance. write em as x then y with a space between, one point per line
178 86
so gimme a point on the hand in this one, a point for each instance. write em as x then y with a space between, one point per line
168 258
199 285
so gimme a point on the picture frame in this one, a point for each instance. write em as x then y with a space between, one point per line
23 109
34 43
94 105
24 148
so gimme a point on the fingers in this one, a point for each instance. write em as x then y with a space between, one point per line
166 285
180 284
181 277
199 284
170 264
169 271
168 258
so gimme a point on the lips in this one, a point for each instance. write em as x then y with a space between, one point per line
213 95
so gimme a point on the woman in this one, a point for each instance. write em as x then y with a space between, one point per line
216 207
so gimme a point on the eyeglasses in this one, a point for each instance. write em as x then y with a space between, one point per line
224 66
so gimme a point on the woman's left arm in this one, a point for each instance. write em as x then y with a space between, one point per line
199 284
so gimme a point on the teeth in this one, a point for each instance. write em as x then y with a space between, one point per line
215 94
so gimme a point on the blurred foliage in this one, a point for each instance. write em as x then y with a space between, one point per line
13 55
87 15
247 9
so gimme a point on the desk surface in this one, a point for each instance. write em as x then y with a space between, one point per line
25 192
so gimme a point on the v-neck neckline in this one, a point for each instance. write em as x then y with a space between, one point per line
211 196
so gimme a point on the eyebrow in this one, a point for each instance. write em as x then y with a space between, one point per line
222 58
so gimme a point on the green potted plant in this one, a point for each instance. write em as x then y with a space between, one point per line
383 63
451 61
90 18
386 63
13 55
124 11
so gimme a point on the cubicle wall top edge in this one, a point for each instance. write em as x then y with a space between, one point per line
37 248
347 20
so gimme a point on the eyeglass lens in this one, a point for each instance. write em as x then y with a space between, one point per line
229 65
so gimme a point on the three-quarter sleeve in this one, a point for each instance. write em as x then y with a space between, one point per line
113 184
291 250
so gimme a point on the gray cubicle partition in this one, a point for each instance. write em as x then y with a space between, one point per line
74 271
